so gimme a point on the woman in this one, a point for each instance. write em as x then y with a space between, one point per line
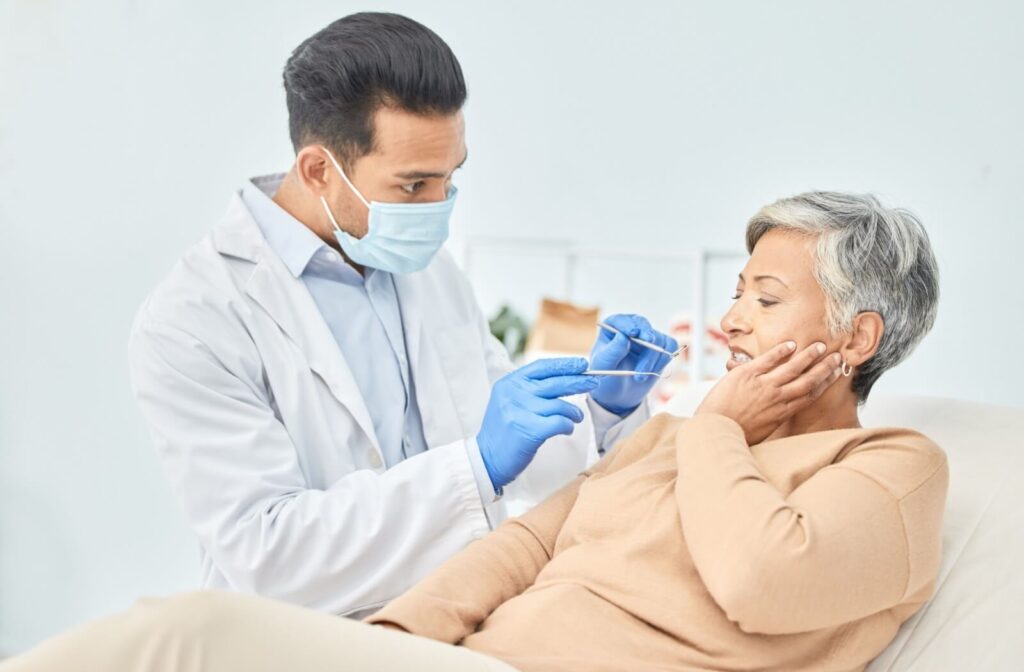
769 531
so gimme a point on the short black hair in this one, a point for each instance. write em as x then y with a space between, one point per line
336 80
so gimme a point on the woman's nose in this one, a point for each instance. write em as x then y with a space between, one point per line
735 321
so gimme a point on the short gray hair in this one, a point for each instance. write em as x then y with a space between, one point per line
869 259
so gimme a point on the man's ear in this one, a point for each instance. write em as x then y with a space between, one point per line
312 168
864 339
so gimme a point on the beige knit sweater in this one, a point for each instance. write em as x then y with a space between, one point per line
685 549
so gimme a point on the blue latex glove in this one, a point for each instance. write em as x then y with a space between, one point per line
621 395
525 411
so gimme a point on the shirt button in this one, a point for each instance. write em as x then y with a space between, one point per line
374 459
331 256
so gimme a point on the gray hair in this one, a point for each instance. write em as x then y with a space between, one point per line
869 259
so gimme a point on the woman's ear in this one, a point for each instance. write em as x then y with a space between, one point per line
311 164
864 340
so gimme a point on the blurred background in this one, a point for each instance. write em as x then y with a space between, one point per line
623 128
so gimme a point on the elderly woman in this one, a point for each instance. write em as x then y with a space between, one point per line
769 531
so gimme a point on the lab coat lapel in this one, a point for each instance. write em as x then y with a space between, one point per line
289 303
435 396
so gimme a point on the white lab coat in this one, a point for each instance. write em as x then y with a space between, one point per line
268 443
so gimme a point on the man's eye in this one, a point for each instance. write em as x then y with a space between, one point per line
413 187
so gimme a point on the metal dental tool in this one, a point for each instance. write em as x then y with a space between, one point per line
640 342
646 344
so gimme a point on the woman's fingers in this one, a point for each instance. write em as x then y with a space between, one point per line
812 383
800 362
764 363
820 390
796 405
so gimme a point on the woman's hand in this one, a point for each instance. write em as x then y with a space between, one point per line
763 393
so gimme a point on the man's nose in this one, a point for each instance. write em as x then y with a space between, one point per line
439 192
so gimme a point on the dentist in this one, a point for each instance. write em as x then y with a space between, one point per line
327 401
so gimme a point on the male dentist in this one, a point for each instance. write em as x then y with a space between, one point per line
333 414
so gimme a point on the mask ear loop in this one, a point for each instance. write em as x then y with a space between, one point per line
345 177
330 215
323 201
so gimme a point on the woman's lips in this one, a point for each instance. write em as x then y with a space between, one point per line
733 362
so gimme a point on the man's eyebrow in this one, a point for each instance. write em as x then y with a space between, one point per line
423 175
766 277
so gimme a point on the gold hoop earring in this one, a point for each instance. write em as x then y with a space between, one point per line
847 369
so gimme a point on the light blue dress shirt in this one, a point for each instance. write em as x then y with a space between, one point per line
363 314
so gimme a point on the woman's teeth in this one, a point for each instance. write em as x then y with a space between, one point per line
740 357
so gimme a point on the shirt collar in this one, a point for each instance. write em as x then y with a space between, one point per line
289 238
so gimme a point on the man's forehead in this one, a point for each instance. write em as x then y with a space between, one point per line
404 136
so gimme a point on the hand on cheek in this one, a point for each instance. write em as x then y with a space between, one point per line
772 387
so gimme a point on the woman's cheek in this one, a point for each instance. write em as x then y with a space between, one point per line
772 335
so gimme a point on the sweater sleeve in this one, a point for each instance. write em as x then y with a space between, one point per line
458 596
858 537
451 603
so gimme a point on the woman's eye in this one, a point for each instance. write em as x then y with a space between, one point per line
767 303
413 187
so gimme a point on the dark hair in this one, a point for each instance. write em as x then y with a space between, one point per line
336 80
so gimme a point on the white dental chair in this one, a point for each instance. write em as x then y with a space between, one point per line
975 620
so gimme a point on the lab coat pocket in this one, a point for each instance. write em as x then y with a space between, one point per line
460 351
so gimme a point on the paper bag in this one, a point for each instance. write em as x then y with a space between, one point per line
562 329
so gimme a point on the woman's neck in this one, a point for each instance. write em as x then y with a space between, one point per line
836 409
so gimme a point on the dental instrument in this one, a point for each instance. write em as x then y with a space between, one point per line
643 343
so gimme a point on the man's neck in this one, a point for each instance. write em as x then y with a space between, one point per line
293 198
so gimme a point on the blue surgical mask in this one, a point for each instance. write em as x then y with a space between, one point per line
401 237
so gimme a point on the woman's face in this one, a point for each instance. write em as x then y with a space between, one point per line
777 299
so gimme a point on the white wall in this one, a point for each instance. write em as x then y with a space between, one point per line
124 125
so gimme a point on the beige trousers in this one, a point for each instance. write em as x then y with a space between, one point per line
222 631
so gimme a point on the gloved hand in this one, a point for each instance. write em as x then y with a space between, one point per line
524 411
621 395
